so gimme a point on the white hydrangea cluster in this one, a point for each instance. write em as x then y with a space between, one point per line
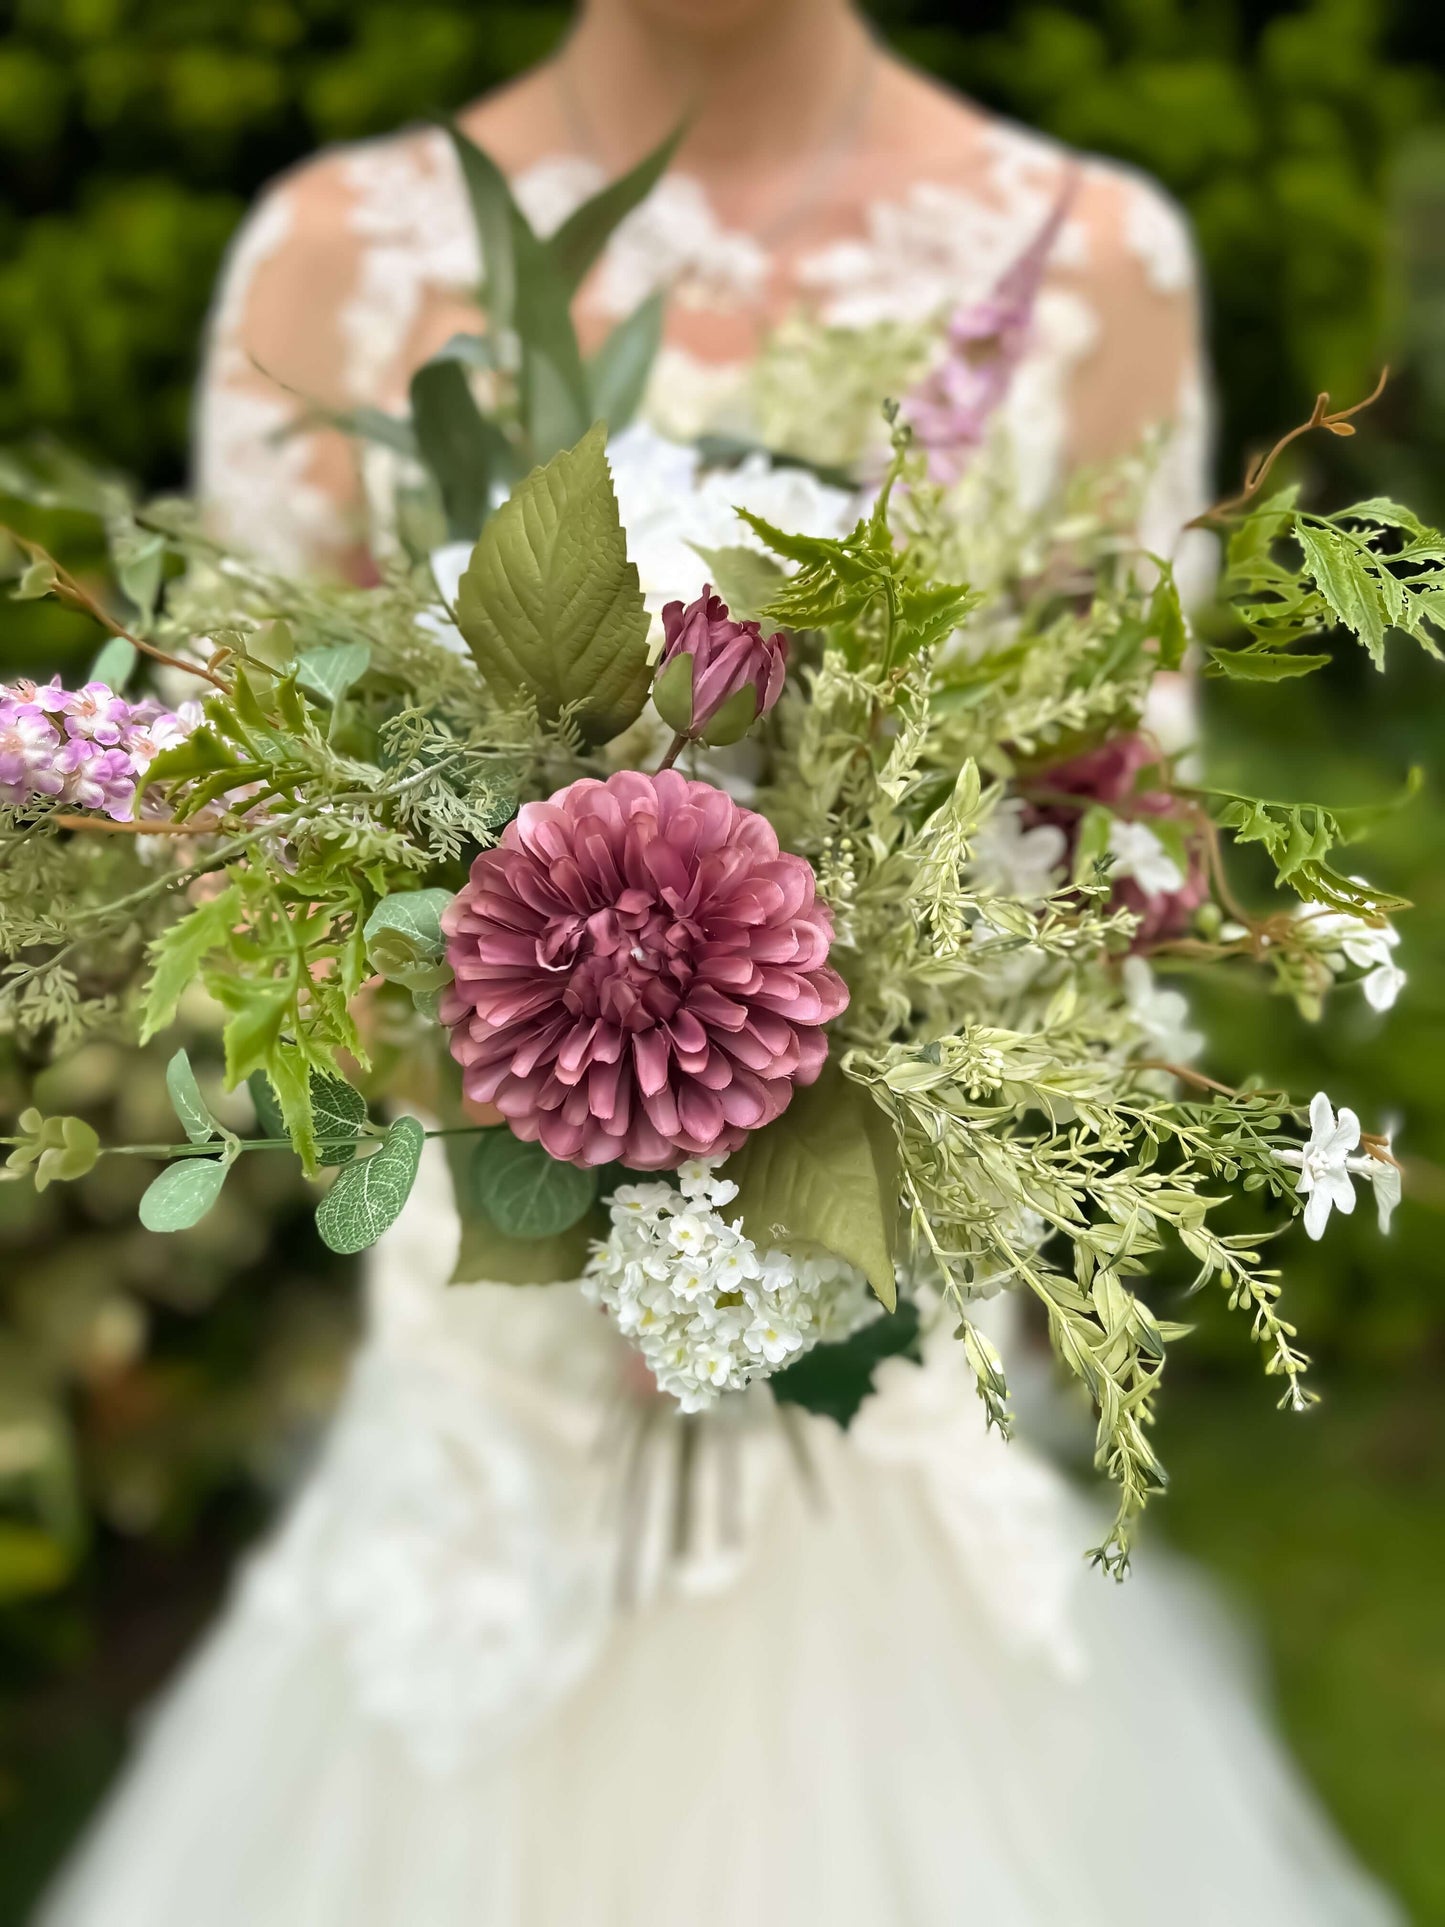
708 1311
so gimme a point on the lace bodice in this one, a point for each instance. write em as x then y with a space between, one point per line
358 265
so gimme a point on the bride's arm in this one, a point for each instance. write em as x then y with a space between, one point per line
275 342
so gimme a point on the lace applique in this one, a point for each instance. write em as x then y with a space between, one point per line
940 246
254 481
676 241
1157 235
409 212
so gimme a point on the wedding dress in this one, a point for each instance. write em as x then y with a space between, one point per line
530 1650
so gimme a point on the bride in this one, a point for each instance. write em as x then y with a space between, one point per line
530 1651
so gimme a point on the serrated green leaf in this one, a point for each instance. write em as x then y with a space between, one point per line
526 1193
1245 665
617 374
182 1194
329 673
825 1173
550 605
190 1107
1366 598
369 1193
177 955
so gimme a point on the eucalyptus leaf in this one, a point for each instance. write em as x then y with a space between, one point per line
579 242
525 1192
550 605
618 372
825 1173
114 664
329 673
190 1107
182 1194
467 454
37 579
368 1195
411 921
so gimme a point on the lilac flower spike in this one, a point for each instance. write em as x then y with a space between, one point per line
951 408
83 749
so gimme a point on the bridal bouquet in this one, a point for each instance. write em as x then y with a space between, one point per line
788 960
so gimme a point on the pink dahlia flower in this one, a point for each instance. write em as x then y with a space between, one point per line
640 973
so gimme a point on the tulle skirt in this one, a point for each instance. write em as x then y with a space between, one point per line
891 1696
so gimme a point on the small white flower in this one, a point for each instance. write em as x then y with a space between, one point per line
1017 862
1351 940
1162 1015
1324 1163
688 1233
1138 853
708 1311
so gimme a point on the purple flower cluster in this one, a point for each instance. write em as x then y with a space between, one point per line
951 408
82 749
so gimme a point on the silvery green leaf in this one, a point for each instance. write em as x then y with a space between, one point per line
619 370
114 664
550 605
190 1107
405 928
37 580
329 673
339 1111
182 1194
368 1195
140 568
524 1191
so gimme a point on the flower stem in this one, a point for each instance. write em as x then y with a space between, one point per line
675 749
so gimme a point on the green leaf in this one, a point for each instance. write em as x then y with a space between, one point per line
579 242
177 955
746 579
368 1195
338 1111
1166 620
268 1108
1361 593
37 580
617 374
1247 665
550 605
557 413
329 673
261 1009
405 930
140 560
468 455
182 1194
114 664
190 1107
486 1255
60 1148
834 1380
826 1173
32 1561
553 383
525 1192
493 212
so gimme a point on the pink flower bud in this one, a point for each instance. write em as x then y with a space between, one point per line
716 676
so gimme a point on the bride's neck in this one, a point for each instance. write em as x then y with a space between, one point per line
757 93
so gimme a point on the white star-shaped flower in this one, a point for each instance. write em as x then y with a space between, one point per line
1324 1163
1138 853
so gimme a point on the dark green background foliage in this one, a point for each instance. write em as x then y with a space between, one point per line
1307 142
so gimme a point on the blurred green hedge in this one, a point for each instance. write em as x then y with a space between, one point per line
133 133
